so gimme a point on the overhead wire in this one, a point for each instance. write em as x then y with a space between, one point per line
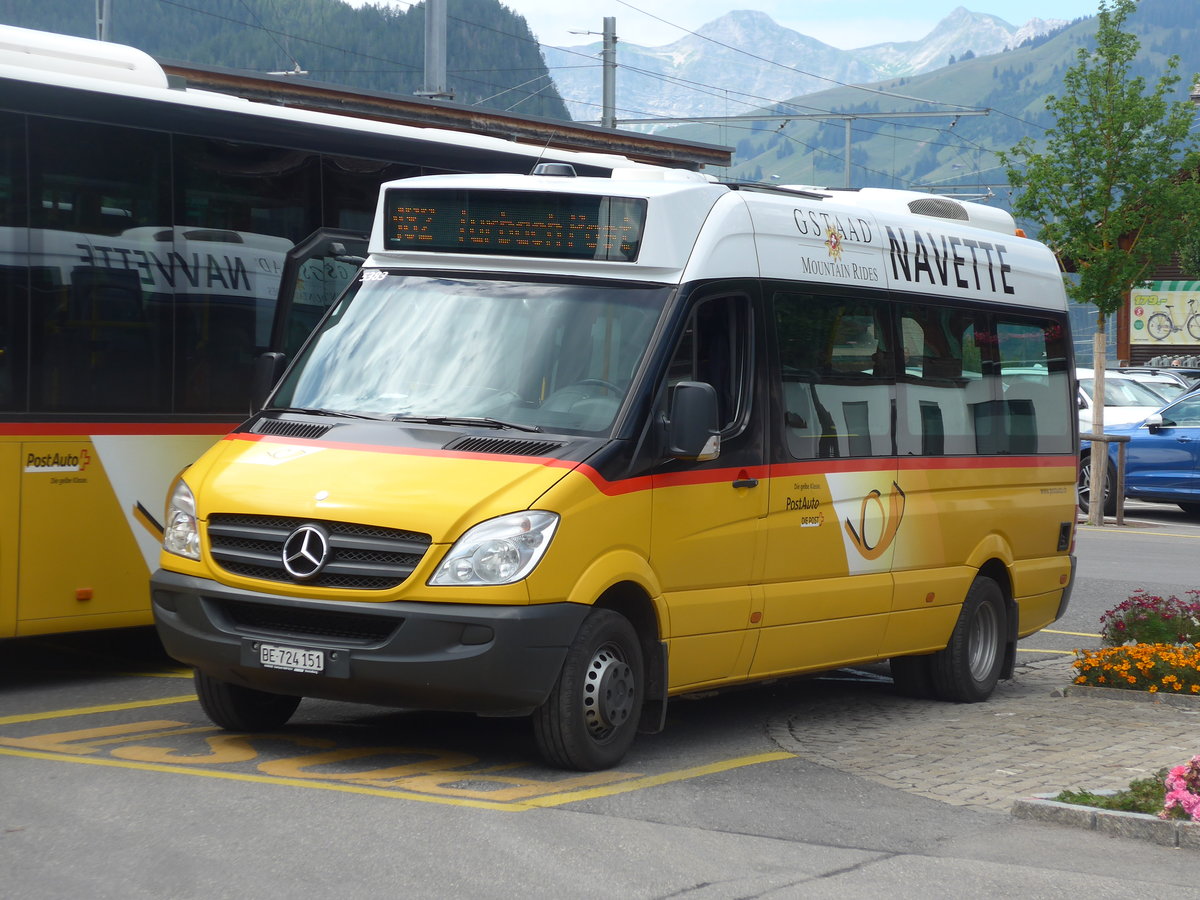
700 87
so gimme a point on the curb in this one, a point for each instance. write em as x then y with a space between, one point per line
1176 833
1187 702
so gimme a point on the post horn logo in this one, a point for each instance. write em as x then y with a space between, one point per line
891 523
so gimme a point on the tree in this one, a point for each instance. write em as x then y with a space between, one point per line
1113 183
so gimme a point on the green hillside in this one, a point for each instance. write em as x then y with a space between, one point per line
943 153
492 58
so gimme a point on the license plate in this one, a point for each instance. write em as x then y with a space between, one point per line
294 659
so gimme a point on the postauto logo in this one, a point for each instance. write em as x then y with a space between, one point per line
58 461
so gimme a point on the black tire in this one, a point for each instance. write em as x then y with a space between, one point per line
911 676
1192 509
237 708
968 669
1084 486
591 716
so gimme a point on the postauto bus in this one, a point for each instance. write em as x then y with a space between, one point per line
571 446
149 234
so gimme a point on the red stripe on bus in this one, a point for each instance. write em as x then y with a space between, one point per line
702 476
36 430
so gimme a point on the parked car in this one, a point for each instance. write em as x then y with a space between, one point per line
1165 386
1162 459
1125 400
1188 377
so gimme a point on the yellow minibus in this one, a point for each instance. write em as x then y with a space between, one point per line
570 446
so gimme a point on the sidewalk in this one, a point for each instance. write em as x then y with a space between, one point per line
1026 740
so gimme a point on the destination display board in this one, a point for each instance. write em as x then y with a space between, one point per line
515 223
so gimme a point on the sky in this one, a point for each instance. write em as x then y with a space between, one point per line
845 24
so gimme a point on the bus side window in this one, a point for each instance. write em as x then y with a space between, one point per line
837 366
943 402
715 349
1035 413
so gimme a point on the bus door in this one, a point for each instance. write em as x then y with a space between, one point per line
706 515
315 273
835 505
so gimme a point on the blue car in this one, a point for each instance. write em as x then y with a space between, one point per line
1162 459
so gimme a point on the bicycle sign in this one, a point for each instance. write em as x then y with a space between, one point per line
1154 317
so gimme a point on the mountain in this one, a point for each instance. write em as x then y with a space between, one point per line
951 150
748 50
492 57
744 59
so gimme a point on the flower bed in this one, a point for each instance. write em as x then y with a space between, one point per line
1152 644
1172 668
1150 619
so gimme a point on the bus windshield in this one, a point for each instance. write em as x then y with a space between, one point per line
532 355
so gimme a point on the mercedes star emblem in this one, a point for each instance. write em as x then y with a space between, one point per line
305 552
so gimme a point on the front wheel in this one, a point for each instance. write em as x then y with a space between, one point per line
591 716
237 708
967 670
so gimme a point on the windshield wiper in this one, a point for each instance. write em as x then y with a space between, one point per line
485 421
336 413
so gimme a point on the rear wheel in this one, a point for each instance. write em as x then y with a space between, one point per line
1085 486
967 670
238 708
591 716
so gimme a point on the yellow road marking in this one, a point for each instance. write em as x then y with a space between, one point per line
1072 633
264 779
165 673
655 780
1098 530
1032 650
520 806
89 710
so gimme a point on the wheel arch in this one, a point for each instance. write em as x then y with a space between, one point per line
631 600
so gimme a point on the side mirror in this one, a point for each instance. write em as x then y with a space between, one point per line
692 427
268 369
1154 423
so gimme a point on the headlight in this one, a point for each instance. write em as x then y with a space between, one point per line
182 534
499 551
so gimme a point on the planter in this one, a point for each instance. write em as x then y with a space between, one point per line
1139 826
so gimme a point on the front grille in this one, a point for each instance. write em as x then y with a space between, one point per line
292 621
361 557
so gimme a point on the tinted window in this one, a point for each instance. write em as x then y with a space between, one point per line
715 350
14 269
100 272
945 402
837 364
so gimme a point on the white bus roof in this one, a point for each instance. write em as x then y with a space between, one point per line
73 62
696 229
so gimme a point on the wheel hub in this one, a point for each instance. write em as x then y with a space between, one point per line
608 692
982 642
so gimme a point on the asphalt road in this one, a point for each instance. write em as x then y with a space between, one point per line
1156 550
113 784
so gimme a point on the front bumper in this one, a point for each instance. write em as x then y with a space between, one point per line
492 660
